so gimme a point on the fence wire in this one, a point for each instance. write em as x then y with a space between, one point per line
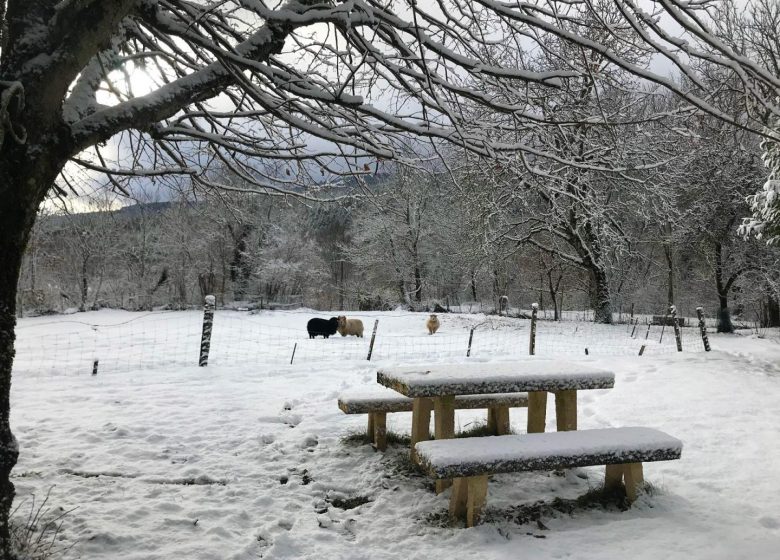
172 339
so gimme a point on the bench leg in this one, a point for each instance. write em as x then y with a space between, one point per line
444 428
632 472
475 502
491 421
537 412
459 498
380 431
566 410
613 478
502 420
421 423
370 428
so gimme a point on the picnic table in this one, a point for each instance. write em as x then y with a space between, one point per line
434 387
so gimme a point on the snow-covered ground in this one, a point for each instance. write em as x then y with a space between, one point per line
245 458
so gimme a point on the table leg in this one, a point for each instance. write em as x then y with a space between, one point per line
370 428
566 410
421 423
537 411
380 431
498 420
444 428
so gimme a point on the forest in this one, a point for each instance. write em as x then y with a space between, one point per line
448 231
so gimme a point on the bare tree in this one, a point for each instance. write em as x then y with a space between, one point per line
175 86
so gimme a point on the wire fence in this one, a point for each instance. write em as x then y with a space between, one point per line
172 339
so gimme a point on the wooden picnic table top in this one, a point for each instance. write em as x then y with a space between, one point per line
530 375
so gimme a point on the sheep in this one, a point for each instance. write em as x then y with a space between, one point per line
433 324
350 326
324 327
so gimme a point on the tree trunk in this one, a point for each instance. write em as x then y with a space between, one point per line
669 274
724 315
553 291
474 285
84 285
771 314
602 306
12 243
341 285
417 285
24 180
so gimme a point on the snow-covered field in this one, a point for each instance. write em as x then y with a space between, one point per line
245 458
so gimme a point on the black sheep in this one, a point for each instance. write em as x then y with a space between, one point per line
324 327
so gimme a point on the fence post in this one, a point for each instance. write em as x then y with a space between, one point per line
676 323
373 338
703 329
649 324
471 337
634 329
293 354
95 366
208 323
532 338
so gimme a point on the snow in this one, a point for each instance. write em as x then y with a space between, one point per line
527 451
245 459
528 374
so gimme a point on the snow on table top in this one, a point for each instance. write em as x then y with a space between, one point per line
496 454
477 378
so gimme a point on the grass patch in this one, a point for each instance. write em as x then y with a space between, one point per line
361 438
477 428
350 502
598 498
36 535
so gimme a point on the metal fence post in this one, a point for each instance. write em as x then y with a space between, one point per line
471 337
208 323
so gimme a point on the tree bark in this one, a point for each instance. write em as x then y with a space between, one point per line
670 274
771 314
724 315
24 180
602 306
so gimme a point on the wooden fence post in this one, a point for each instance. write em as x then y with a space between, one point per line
373 338
208 323
703 329
471 337
635 324
532 338
676 323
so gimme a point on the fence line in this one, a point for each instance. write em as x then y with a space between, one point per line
173 339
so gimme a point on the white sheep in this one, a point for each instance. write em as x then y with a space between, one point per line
432 323
350 326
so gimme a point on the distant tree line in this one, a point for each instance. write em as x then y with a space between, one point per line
425 236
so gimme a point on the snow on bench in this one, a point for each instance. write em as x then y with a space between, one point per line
470 461
474 378
378 403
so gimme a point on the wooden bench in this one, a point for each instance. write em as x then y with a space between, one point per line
377 405
470 461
